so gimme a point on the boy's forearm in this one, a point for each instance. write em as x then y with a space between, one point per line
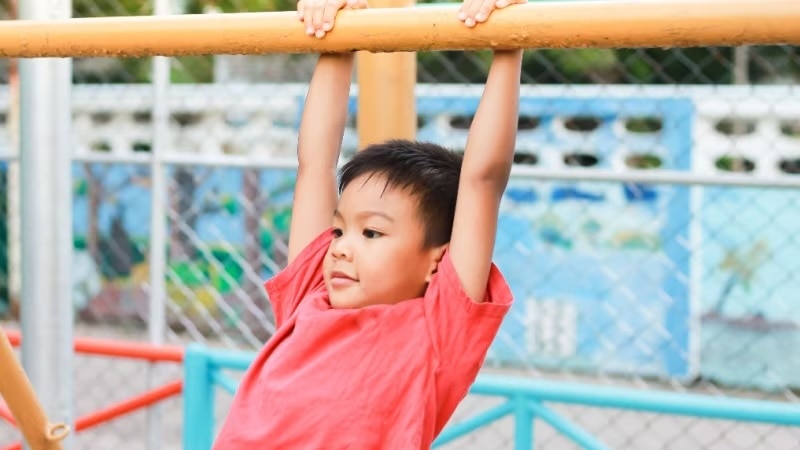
492 136
325 112
318 147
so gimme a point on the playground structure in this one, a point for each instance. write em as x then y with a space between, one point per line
19 395
122 143
55 433
534 25
525 400
759 178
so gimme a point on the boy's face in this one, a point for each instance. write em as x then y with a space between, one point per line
377 254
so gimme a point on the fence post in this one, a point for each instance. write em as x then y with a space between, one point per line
45 155
157 322
523 424
198 400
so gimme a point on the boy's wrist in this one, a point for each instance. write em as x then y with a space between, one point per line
508 53
344 56
337 61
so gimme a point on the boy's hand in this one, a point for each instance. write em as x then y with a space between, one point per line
318 15
473 12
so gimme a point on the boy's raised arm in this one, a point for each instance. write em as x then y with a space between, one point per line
485 173
321 130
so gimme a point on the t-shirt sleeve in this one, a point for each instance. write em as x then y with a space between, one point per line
461 329
303 276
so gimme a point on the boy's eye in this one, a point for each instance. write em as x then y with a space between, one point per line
372 234
336 232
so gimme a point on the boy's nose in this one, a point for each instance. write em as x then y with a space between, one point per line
340 249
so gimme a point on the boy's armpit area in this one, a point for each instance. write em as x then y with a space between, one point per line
497 296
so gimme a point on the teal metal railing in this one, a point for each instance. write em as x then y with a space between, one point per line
524 399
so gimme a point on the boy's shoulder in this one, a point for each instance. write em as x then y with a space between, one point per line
446 283
299 279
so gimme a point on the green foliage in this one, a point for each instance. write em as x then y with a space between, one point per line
80 187
580 62
732 163
189 273
223 271
279 218
79 243
192 69
643 124
106 8
231 272
223 274
643 161
229 6
229 204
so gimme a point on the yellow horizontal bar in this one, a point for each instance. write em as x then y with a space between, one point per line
550 24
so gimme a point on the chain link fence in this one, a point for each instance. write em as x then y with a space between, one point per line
644 234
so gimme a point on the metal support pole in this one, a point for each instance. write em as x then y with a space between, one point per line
46 210
386 102
157 318
523 424
741 65
198 400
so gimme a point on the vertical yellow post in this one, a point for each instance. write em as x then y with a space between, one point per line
386 104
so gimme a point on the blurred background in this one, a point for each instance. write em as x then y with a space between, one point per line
685 282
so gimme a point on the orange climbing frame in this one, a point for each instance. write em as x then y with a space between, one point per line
113 349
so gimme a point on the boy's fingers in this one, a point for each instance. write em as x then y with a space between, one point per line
485 9
316 17
319 15
465 11
331 9
357 4
471 9
308 16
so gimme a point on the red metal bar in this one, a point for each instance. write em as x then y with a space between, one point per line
130 405
121 408
132 350
14 337
118 349
6 415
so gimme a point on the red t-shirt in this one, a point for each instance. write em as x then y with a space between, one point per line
378 377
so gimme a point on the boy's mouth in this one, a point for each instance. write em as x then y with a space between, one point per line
341 280
339 274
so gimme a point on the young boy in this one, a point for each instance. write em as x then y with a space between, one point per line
390 300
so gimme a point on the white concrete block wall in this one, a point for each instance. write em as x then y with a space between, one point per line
259 122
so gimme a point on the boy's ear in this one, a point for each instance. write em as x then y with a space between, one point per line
436 253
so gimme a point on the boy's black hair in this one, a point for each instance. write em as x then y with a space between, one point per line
429 171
